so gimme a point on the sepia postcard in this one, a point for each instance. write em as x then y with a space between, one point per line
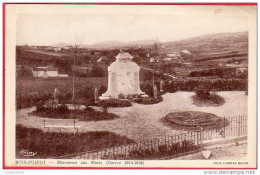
130 86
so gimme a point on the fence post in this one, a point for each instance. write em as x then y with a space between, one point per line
224 127
239 125
168 142
201 134
44 144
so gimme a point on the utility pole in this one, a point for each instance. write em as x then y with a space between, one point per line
73 77
156 46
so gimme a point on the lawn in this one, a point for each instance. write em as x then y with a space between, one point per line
29 85
53 144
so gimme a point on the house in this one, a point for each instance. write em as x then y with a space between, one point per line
167 59
57 49
175 55
46 72
185 52
68 47
240 70
152 59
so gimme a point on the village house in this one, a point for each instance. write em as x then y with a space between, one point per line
57 49
46 72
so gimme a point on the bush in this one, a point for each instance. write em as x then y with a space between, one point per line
24 71
211 84
59 109
114 103
202 93
62 109
62 112
40 107
148 100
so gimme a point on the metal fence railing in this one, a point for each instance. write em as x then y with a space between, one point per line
169 146
154 149
231 126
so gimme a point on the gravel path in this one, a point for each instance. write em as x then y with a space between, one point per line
142 122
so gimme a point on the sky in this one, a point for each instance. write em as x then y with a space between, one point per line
48 29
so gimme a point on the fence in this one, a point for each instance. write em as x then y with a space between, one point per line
230 126
154 149
169 146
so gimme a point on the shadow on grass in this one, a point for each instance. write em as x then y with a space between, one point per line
54 144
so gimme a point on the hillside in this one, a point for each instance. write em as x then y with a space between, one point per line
118 44
211 45
208 51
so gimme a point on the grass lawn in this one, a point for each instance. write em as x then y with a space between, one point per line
29 85
53 144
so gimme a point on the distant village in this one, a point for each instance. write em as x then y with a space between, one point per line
51 61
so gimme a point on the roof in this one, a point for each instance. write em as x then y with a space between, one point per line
45 69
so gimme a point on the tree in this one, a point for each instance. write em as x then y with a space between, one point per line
75 50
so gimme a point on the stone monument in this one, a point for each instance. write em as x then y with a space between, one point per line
123 77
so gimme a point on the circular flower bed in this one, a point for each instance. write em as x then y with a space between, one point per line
194 119
63 112
212 100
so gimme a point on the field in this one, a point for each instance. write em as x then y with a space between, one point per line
29 85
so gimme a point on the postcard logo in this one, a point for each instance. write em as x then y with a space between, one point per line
25 152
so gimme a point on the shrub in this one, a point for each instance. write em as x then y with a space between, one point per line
62 109
121 96
40 107
202 93
148 100
114 103
147 88
24 71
